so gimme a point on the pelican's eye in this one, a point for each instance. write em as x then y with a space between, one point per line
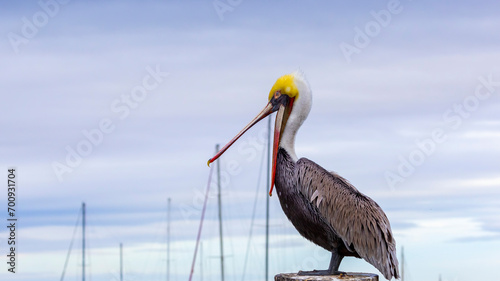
277 94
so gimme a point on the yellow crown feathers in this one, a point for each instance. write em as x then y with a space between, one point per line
285 84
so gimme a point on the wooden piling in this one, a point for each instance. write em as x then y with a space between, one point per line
351 276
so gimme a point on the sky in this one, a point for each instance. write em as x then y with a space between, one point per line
119 104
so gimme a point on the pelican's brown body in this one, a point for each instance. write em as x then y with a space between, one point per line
329 211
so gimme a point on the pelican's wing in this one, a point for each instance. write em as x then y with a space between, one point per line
356 218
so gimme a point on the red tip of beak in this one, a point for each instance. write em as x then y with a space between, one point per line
273 175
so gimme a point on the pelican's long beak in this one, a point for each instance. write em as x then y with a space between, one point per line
265 112
283 106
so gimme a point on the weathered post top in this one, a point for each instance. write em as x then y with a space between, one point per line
351 276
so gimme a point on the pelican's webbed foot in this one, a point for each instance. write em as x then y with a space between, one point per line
321 272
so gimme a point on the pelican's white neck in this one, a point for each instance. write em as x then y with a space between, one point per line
301 107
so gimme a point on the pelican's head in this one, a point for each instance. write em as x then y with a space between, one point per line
290 96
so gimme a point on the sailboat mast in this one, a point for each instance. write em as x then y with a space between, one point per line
168 239
201 261
83 241
121 261
402 263
220 218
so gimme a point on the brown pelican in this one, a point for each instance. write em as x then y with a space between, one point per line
323 206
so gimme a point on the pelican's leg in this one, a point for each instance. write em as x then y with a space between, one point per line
335 263
332 269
